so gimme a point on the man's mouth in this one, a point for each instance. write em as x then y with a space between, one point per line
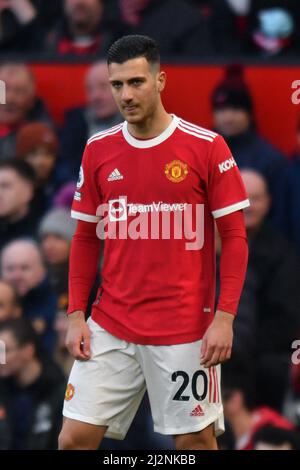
129 108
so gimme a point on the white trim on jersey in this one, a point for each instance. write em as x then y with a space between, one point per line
195 133
84 217
201 130
144 144
105 130
101 135
229 209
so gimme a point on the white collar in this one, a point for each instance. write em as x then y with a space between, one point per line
144 144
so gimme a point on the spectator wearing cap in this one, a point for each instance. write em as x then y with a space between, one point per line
17 185
99 113
233 116
22 105
56 231
37 144
23 266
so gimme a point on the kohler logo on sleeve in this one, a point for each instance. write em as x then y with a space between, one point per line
227 165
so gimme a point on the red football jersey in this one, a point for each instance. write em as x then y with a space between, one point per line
155 201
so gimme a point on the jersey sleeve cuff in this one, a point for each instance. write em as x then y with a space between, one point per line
84 217
232 208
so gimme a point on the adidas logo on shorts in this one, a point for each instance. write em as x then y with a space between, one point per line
197 411
115 175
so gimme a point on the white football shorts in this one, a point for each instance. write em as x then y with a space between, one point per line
107 389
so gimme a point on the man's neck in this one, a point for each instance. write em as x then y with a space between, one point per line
153 126
29 373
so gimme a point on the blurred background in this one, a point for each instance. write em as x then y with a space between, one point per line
232 66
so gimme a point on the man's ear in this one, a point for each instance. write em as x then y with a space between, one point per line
161 81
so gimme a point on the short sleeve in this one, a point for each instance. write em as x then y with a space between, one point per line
87 195
226 191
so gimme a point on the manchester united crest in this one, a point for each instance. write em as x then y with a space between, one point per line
69 392
176 171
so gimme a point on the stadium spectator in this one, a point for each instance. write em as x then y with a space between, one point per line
184 32
17 182
20 25
56 231
100 113
21 106
24 23
238 398
10 306
264 27
85 29
277 270
31 391
273 28
38 144
22 266
234 118
229 26
273 438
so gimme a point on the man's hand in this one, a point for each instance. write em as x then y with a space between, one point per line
78 336
217 341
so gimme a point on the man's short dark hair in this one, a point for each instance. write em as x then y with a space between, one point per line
133 47
21 167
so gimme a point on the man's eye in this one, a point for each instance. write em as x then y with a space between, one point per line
117 85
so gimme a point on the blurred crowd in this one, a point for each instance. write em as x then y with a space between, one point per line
39 163
191 28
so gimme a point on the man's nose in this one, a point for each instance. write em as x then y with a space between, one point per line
126 94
